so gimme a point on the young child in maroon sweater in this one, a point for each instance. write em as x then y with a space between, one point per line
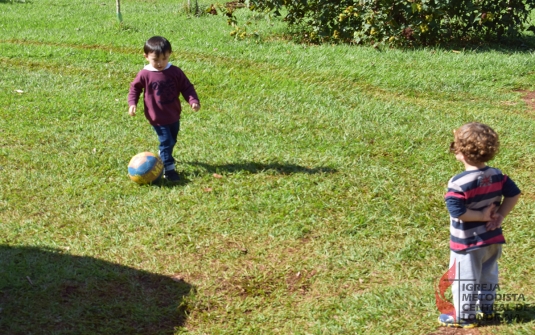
162 84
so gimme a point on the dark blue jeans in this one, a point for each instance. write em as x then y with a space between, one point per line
167 135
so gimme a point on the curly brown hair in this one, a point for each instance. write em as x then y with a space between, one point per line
477 142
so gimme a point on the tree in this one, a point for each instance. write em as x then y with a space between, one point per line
402 22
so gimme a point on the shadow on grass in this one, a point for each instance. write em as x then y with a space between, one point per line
252 167
514 312
504 44
524 44
45 291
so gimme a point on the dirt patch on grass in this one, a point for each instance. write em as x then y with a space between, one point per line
529 99
300 281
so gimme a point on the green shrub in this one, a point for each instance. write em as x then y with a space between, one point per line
397 22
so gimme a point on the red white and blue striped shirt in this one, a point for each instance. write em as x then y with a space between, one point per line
475 190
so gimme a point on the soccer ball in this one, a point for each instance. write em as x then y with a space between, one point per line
145 168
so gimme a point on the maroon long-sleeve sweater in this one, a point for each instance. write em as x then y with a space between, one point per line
161 94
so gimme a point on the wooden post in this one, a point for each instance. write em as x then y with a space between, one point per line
119 16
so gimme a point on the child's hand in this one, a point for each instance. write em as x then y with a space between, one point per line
132 111
495 222
488 213
195 107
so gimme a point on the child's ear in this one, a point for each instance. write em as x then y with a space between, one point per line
460 157
146 56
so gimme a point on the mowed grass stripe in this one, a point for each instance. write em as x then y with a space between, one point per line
343 109
349 91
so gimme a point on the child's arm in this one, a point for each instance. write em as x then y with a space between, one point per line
505 208
507 205
136 88
480 216
188 91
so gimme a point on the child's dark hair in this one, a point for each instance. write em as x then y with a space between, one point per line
477 142
158 45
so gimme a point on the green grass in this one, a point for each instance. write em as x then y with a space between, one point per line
328 219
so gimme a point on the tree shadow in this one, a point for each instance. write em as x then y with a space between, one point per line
253 167
525 44
45 291
522 44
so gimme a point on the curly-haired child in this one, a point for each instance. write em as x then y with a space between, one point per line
478 200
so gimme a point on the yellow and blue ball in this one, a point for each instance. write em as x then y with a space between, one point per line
145 168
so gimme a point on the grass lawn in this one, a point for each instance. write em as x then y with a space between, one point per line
328 217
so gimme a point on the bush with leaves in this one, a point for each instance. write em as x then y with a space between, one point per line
402 22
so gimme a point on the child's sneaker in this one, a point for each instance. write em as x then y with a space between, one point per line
172 176
447 320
